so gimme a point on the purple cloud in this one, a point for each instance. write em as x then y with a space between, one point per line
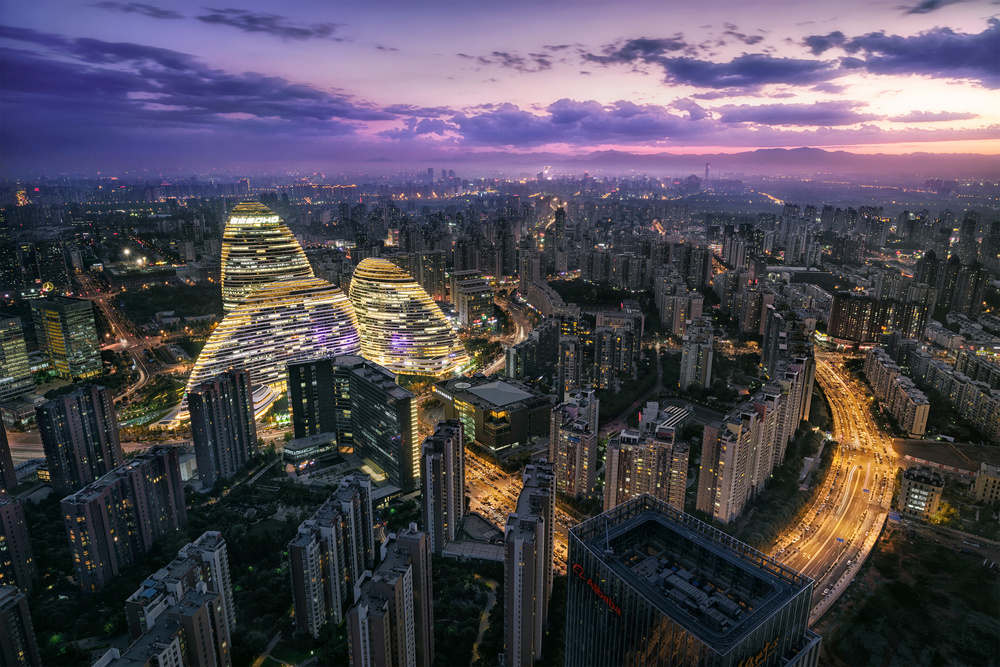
139 8
928 6
933 116
270 24
820 114
745 71
820 44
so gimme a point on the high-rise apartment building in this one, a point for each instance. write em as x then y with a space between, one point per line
113 522
650 461
222 425
67 334
18 647
650 585
573 442
401 327
17 561
443 483
330 554
570 369
337 395
528 546
16 378
201 566
697 350
615 355
79 433
281 322
257 249
391 623
8 475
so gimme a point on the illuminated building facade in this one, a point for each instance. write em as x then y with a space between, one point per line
17 560
443 483
285 321
650 585
16 378
401 327
257 249
222 425
18 647
651 461
67 334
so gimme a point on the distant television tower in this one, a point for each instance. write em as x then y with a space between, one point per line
706 170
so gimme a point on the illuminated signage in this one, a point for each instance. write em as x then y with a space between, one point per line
273 219
597 589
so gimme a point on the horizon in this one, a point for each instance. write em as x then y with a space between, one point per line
120 87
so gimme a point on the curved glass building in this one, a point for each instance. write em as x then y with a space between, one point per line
257 248
288 320
402 329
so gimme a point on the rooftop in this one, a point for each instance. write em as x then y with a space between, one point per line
499 393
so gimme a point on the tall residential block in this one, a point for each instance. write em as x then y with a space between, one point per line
67 335
330 554
391 622
443 477
17 635
79 433
17 561
113 522
8 475
650 585
570 367
697 350
222 425
573 442
16 378
650 461
194 591
361 403
528 546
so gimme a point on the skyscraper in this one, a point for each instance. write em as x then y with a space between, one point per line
649 585
113 522
570 364
697 350
257 249
528 540
443 482
17 635
222 425
67 334
8 475
330 554
401 327
15 371
17 561
79 433
573 442
281 322
391 623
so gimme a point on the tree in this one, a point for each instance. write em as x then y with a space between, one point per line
946 515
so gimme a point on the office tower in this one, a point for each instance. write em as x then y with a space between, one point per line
67 335
651 585
17 636
474 303
391 623
528 540
15 372
696 354
443 481
573 443
401 327
51 262
651 461
329 555
17 561
257 249
570 364
338 394
113 522
8 475
282 322
79 433
222 425
202 564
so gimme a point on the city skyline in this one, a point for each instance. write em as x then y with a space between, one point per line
126 86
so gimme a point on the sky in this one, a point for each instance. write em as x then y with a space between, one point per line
116 86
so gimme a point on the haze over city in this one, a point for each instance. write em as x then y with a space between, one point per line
184 88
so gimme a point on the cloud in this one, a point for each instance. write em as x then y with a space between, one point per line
412 110
928 6
820 114
933 116
820 44
642 49
745 71
939 53
829 88
271 24
139 8
533 62
749 40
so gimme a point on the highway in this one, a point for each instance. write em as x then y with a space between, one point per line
848 512
521 328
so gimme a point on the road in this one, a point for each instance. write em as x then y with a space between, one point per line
829 543
521 328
